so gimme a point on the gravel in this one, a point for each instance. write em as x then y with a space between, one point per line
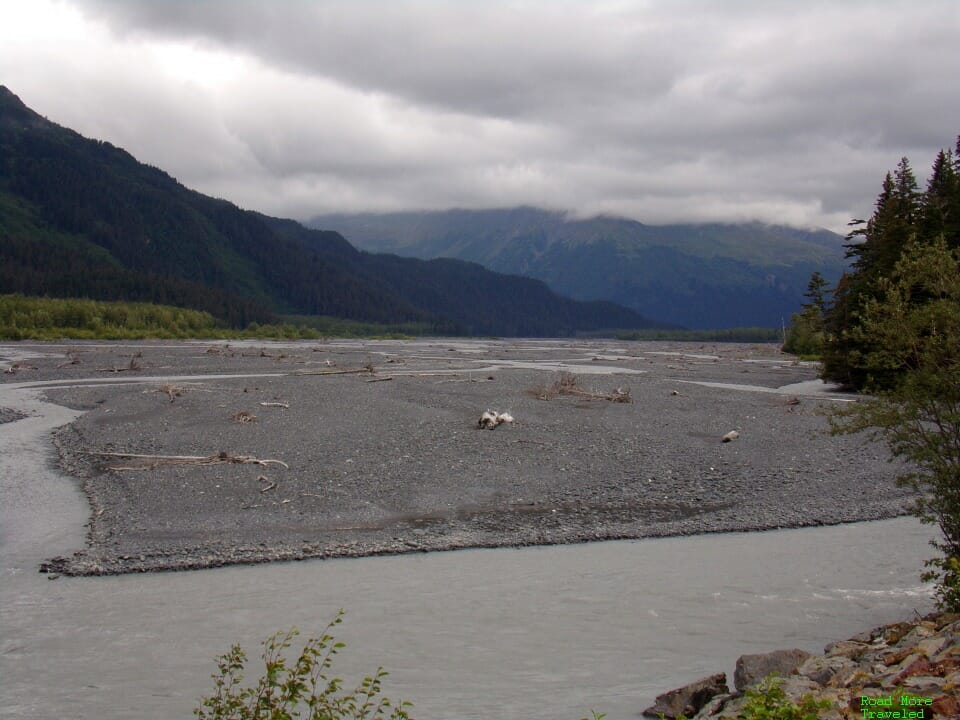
400 466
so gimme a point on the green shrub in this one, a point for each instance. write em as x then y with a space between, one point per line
301 690
768 701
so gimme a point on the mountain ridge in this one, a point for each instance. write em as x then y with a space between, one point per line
82 217
698 275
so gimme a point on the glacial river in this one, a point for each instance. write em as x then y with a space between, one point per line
519 634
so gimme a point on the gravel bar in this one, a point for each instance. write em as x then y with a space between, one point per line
378 449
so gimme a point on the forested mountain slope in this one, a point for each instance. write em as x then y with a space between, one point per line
707 275
80 217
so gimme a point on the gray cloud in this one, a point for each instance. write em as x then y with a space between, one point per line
662 111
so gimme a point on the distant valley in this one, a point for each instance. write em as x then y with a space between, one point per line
83 218
696 276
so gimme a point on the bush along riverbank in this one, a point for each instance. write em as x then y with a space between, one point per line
908 669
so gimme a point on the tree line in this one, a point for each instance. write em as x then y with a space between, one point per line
905 220
891 329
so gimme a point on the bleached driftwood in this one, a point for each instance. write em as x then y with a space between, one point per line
172 391
355 371
218 458
72 359
568 384
12 370
491 419
133 366
275 404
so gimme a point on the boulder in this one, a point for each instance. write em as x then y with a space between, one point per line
821 669
847 648
689 699
751 669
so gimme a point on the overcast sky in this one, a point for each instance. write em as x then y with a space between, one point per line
783 111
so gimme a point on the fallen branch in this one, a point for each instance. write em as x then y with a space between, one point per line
221 457
72 360
275 404
467 380
172 391
568 384
132 367
12 370
356 371
270 484
380 379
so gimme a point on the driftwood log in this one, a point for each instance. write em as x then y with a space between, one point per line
149 461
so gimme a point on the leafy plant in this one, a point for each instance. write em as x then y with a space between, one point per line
302 690
768 701
911 339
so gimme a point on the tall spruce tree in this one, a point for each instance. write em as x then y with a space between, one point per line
940 211
902 216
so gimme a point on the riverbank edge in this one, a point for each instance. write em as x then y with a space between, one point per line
869 672
94 561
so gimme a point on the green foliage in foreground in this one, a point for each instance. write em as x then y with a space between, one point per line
302 689
768 701
910 340
42 318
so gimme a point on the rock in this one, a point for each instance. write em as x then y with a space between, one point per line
916 658
795 687
751 669
946 706
920 632
730 436
715 705
846 648
822 669
932 645
894 657
893 633
689 699
948 619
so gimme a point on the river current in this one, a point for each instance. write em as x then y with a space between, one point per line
530 634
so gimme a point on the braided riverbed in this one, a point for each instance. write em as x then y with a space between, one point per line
397 466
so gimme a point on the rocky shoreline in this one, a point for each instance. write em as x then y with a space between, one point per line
372 447
910 667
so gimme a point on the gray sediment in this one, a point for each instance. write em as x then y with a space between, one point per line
378 466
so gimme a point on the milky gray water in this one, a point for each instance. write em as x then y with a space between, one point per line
533 633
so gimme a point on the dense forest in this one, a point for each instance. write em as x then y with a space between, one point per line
907 223
82 218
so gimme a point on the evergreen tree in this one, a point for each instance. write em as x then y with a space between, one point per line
902 216
940 212
817 294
